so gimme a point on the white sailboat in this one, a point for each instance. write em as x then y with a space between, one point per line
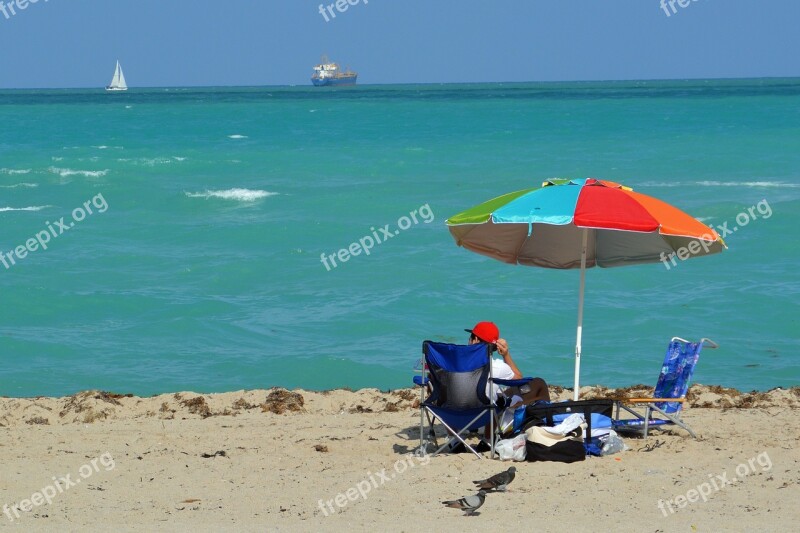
118 81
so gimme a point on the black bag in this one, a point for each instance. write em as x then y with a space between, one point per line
541 445
567 451
542 415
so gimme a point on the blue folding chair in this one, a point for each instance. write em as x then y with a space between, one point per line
669 395
457 375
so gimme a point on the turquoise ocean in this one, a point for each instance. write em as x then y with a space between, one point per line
196 219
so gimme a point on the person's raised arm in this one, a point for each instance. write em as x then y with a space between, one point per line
502 349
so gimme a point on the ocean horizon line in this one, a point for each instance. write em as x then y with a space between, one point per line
427 83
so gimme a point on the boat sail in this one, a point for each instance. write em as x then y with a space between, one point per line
118 81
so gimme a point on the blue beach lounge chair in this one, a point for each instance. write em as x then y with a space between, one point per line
664 407
458 375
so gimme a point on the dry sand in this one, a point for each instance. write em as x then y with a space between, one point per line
273 458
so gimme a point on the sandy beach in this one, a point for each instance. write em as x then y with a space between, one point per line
275 460
232 234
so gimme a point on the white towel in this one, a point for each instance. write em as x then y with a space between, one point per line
568 424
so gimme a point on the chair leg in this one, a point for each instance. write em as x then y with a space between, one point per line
491 432
687 428
456 435
431 431
421 419
425 439
675 419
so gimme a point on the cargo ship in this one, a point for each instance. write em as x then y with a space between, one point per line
328 74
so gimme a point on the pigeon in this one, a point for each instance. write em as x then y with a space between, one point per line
468 504
498 481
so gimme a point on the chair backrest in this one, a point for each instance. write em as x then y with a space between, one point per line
676 373
458 373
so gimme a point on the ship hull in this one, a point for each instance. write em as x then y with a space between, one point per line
334 82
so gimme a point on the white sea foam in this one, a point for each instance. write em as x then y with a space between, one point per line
667 184
151 162
241 195
16 185
66 172
237 136
749 184
31 208
15 171
712 183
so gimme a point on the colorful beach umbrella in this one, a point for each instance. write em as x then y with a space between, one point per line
580 224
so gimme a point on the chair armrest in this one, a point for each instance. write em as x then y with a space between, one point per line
512 382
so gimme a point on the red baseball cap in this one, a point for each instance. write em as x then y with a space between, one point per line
485 331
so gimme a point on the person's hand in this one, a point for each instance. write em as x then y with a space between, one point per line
502 347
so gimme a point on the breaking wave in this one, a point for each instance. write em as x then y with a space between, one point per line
15 171
241 195
31 208
749 184
65 172
712 183
25 185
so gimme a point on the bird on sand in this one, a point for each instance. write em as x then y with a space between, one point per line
468 504
498 482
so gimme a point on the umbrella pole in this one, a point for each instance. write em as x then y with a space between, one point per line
580 316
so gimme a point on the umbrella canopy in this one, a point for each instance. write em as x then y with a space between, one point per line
580 224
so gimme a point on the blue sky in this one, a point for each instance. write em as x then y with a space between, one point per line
74 43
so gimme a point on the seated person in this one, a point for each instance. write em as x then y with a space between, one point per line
506 368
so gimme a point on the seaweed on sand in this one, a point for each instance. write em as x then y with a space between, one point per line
280 401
